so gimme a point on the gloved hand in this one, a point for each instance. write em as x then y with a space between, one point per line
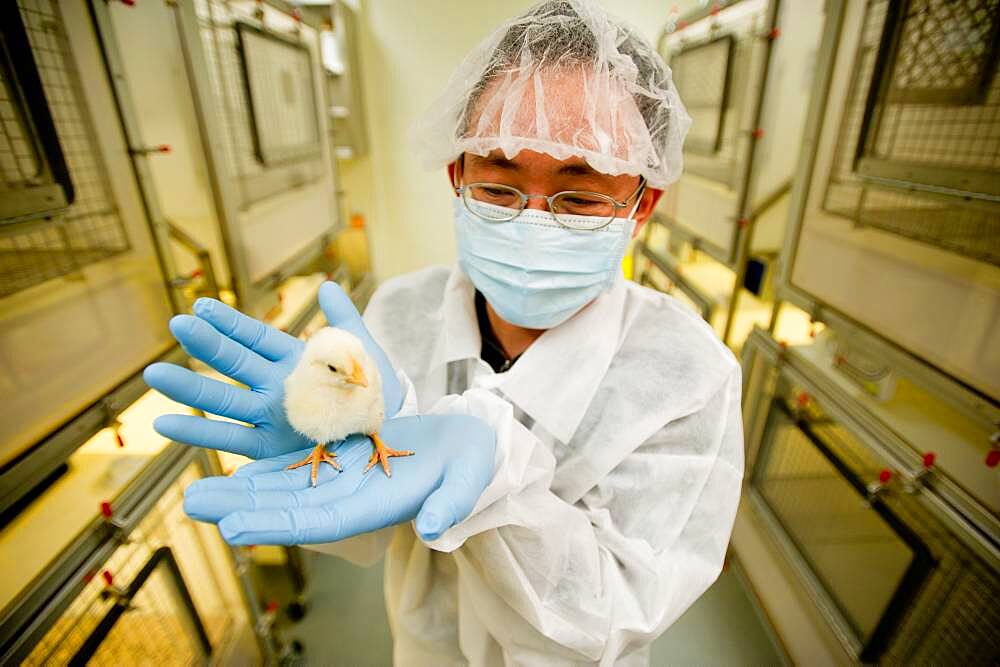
260 357
263 503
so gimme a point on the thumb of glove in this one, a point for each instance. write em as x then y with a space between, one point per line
339 309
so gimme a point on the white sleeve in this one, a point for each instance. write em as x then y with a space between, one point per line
366 549
600 578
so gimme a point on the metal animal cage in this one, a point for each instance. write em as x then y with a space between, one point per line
167 597
900 580
260 173
919 143
51 240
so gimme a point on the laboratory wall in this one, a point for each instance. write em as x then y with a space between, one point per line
407 208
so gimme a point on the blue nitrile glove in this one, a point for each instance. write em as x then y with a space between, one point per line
259 356
262 503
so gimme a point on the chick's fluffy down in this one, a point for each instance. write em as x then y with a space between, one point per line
321 409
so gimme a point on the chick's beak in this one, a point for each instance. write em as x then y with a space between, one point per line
357 374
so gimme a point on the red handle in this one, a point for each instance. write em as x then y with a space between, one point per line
106 509
884 476
929 459
108 579
993 458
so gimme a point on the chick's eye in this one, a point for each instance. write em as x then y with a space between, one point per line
332 369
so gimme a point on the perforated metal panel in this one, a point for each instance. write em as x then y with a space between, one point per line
91 229
279 81
701 74
919 144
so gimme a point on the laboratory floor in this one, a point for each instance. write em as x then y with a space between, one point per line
345 623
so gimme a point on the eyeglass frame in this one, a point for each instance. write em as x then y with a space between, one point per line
461 189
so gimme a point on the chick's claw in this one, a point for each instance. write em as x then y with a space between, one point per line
381 454
317 456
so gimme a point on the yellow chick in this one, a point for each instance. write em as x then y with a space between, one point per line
334 391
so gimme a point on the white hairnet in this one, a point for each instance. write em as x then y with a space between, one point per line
564 79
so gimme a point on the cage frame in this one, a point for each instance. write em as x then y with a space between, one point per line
972 525
972 401
871 647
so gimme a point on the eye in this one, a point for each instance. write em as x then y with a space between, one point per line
332 369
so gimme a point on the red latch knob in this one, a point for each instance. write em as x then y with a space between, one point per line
929 459
802 399
774 34
743 222
106 509
108 579
993 458
757 133
884 476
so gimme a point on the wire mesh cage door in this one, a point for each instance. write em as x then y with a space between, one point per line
919 145
81 223
900 585
168 596
135 630
35 179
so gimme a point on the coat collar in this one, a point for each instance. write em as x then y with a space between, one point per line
556 378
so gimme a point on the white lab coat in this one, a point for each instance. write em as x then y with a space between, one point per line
619 462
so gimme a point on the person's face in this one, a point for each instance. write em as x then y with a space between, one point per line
539 173
570 119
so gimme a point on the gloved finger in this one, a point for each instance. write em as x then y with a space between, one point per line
340 310
351 515
220 398
341 313
225 355
263 339
212 498
450 503
209 433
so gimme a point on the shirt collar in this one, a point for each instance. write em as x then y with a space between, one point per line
578 351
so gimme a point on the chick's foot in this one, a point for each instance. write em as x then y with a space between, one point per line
318 455
381 454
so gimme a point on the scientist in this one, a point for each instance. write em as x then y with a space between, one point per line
579 450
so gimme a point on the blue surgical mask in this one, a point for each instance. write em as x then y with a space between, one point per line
534 272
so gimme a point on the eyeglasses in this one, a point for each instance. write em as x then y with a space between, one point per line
506 203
